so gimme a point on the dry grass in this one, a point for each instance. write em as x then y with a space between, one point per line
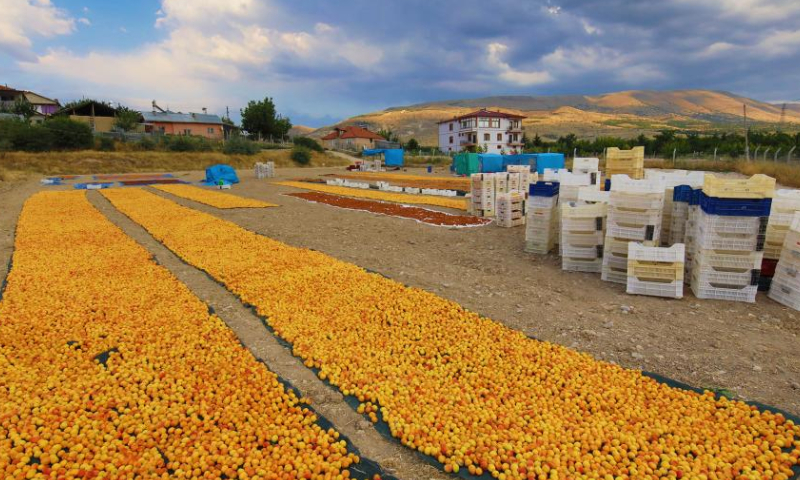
90 161
786 174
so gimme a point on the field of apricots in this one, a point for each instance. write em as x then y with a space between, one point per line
111 368
447 202
419 181
463 389
212 197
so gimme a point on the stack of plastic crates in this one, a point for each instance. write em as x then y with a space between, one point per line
681 196
625 162
785 286
784 205
570 184
730 233
691 232
482 200
265 170
671 180
582 233
525 177
585 165
510 209
634 215
655 271
541 217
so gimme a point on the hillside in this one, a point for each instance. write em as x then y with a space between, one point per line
623 114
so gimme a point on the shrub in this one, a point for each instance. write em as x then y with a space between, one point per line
308 142
106 144
301 155
20 135
185 143
68 134
147 144
241 146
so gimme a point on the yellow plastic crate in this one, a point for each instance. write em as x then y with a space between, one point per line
757 186
655 271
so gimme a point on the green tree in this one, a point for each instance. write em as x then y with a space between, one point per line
301 155
126 119
389 135
68 134
412 144
21 106
259 118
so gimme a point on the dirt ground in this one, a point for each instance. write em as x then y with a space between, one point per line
752 350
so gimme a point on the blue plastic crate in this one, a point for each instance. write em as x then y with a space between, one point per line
735 207
695 200
543 189
682 193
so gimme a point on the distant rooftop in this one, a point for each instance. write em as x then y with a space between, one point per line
483 113
178 117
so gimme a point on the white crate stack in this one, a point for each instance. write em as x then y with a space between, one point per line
671 180
582 234
541 215
785 288
482 195
655 271
727 250
634 215
525 176
265 170
585 165
510 209
785 204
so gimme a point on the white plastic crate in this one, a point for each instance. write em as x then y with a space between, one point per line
724 224
624 183
567 178
672 289
784 293
543 202
711 240
586 265
673 178
552 174
593 195
712 275
728 260
585 164
614 275
652 201
675 253
596 224
634 233
736 293
582 251
634 217
581 238
568 193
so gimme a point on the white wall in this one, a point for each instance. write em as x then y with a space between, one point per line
493 145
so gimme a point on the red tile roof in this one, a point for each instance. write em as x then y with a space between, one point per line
352 132
483 113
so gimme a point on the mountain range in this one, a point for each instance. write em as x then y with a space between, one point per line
620 114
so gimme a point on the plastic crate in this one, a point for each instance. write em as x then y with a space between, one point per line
764 283
543 202
714 275
768 266
637 201
786 200
593 195
585 164
655 271
735 293
675 253
581 238
623 183
730 224
576 264
673 178
543 189
634 232
728 260
712 240
735 207
682 193
784 294
634 218
614 275
673 289
756 187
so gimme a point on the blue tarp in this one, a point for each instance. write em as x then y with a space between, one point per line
490 162
520 159
217 173
549 160
392 157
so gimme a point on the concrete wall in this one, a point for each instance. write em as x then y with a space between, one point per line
198 129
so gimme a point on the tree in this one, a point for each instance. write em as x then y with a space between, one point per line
68 134
412 144
22 107
259 118
389 135
126 119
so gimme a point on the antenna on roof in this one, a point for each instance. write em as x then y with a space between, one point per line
205 110
156 107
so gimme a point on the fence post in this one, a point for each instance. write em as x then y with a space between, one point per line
776 154
674 150
789 155
755 155
766 152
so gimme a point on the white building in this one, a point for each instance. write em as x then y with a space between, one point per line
495 132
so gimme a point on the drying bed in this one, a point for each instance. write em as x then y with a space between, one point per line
423 215
447 202
112 368
465 390
416 181
211 197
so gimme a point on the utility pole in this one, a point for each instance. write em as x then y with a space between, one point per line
746 140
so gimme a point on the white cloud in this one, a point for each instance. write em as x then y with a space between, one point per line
22 20
752 11
495 53
589 28
553 9
210 46
84 21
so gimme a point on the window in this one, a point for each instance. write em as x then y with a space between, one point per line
494 123
499 146
499 137
451 139
451 129
468 123
187 131
486 137
483 122
210 129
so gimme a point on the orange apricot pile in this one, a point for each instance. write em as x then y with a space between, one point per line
464 389
110 368
213 198
447 202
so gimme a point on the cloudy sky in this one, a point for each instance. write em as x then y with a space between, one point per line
323 60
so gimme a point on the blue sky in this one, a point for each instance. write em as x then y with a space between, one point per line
323 60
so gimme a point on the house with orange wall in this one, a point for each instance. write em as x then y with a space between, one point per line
177 123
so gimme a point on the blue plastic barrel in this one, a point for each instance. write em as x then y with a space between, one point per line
430 169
